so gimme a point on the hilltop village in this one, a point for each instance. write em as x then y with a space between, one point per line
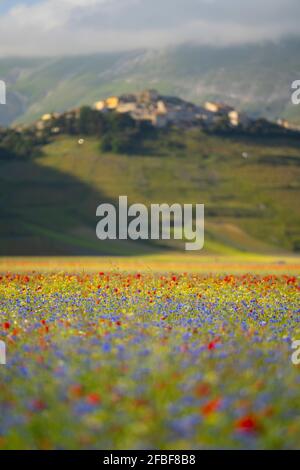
124 122
161 111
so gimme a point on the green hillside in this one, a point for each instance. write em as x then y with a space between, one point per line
48 203
256 78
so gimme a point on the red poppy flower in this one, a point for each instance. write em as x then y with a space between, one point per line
247 424
211 345
93 398
211 406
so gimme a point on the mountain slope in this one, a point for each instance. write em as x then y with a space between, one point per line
256 78
48 204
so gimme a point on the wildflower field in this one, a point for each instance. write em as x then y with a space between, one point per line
149 360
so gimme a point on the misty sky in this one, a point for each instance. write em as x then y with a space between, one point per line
55 27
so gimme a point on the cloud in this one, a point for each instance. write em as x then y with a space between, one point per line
52 27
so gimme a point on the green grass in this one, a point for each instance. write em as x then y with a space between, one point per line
48 205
